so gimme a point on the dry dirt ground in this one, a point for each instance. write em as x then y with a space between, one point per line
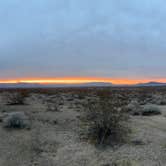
54 140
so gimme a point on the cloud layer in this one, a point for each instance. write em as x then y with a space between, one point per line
108 38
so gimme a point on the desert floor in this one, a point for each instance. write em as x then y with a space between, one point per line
53 139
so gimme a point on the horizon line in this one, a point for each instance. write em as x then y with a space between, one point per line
80 80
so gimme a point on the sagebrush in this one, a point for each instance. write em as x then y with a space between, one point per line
105 123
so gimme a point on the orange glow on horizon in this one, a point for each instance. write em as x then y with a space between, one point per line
79 80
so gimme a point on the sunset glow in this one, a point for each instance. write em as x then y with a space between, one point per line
78 80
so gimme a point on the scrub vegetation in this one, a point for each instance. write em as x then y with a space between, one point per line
83 126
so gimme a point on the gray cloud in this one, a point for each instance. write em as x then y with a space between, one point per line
113 38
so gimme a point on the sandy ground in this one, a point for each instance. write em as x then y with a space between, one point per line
53 139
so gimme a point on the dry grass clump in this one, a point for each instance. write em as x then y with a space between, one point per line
105 123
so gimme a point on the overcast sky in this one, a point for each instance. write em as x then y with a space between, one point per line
104 38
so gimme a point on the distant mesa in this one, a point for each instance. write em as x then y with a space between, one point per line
152 84
37 85
19 85
96 84
90 84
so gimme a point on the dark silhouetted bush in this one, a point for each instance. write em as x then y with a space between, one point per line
105 123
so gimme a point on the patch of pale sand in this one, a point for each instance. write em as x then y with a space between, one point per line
84 154
15 148
76 154
163 109
152 131
157 123
55 136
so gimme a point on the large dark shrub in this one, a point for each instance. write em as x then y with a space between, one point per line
104 122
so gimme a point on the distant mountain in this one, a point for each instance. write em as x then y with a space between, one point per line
151 84
20 85
90 84
100 84
36 85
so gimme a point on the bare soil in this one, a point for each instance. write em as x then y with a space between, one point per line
54 140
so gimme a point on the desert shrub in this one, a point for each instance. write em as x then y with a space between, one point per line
81 97
134 108
144 96
149 110
104 123
16 120
15 98
54 107
163 102
157 99
54 102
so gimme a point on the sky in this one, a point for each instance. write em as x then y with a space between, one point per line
91 39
